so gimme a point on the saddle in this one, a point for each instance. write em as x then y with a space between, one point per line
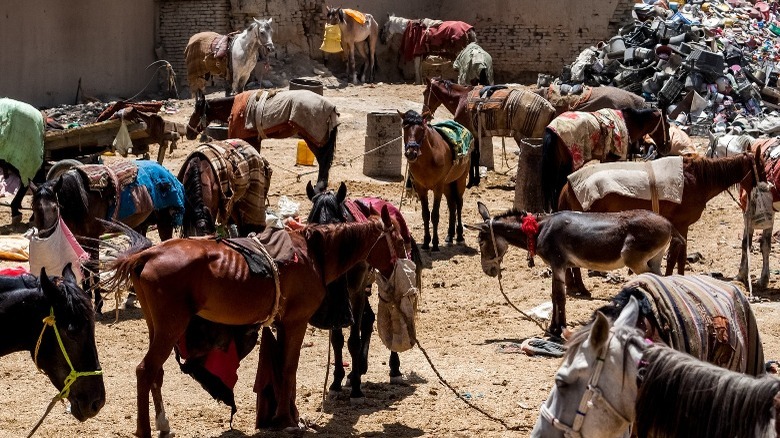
492 98
220 45
275 241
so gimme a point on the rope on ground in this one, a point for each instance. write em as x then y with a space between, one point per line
313 424
403 186
527 316
370 151
45 414
457 394
298 175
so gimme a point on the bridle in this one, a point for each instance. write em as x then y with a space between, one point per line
590 397
413 144
426 104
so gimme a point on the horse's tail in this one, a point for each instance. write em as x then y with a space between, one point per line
197 218
128 260
551 173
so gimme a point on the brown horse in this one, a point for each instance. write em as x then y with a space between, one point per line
225 183
353 33
526 114
82 207
181 278
208 110
574 138
591 99
703 179
434 166
637 239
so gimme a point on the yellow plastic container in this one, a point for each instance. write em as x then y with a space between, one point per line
304 156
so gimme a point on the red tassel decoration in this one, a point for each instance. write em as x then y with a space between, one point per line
530 227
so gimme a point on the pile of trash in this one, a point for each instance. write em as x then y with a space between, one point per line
70 116
713 65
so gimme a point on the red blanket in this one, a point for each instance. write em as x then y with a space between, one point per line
450 37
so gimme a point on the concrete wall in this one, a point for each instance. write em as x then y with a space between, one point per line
49 44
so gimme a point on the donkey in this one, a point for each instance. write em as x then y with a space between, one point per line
353 33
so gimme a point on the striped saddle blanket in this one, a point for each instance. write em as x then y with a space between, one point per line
707 318
244 178
508 112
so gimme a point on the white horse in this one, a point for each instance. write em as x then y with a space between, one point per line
353 34
243 52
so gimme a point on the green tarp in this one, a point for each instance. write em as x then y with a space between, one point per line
21 137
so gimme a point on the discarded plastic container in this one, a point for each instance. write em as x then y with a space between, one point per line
304 156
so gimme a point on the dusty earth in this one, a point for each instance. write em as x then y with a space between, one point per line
463 321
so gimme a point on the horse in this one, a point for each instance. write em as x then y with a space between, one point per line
66 354
434 165
637 239
355 285
703 179
81 205
355 27
522 114
314 119
181 278
574 138
225 183
682 396
591 99
596 387
230 57
428 37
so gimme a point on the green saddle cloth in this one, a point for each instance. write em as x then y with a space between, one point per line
456 135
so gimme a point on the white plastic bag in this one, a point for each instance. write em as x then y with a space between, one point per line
123 142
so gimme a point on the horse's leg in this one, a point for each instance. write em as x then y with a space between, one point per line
16 206
682 253
362 50
351 61
290 336
435 217
766 248
395 368
474 177
426 215
574 284
266 385
160 419
558 321
460 188
451 209
366 330
337 341
372 40
324 156
165 224
355 345
747 240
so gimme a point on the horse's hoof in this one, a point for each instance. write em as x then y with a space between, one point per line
397 380
435 248
448 240
16 219
164 434
460 240
333 394
357 401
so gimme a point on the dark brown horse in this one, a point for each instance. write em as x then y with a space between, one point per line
70 196
637 239
208 110
520 119
434 166
591 99
225 183
351 292
181 278
574 138
703 179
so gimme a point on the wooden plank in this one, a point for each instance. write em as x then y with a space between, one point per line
96 134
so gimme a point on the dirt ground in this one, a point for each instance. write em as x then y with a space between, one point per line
463 320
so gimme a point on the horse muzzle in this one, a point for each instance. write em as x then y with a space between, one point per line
412 151
87 403
270 47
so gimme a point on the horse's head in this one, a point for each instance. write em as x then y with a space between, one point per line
263 32
327 206
333 15
390 247
640 122
431 99
596 386
492 246
71 352
414 127
46 206
198 119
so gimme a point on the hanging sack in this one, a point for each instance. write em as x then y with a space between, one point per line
763 216
397 308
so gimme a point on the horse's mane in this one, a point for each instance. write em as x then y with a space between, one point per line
412 117
322 239
73 198
75 307
195 210
682 396
712 171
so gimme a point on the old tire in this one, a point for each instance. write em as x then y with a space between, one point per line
61 167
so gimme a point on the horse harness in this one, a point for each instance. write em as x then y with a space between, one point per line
589 399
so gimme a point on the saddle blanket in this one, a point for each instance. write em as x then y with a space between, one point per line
507 112
495 101
707 318
456 135
569 101
276 241
165 191
21 137
448 37
769 148
631 179
593 135
220 46
361 208
470 63
243 176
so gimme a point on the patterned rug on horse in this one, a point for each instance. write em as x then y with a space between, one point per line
506 111
769 148
640 180
710 319
592 135
244 178
458 137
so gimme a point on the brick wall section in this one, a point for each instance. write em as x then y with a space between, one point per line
180 19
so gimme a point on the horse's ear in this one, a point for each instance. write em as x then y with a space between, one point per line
386 216
630 314
341 194
325 9
477 227
599 332
400 114
483 210
67 273
310 191
49 289
58 184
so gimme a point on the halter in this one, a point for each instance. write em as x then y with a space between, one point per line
428 97
589 399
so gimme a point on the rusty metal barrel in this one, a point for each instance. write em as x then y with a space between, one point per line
384 145
528 190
